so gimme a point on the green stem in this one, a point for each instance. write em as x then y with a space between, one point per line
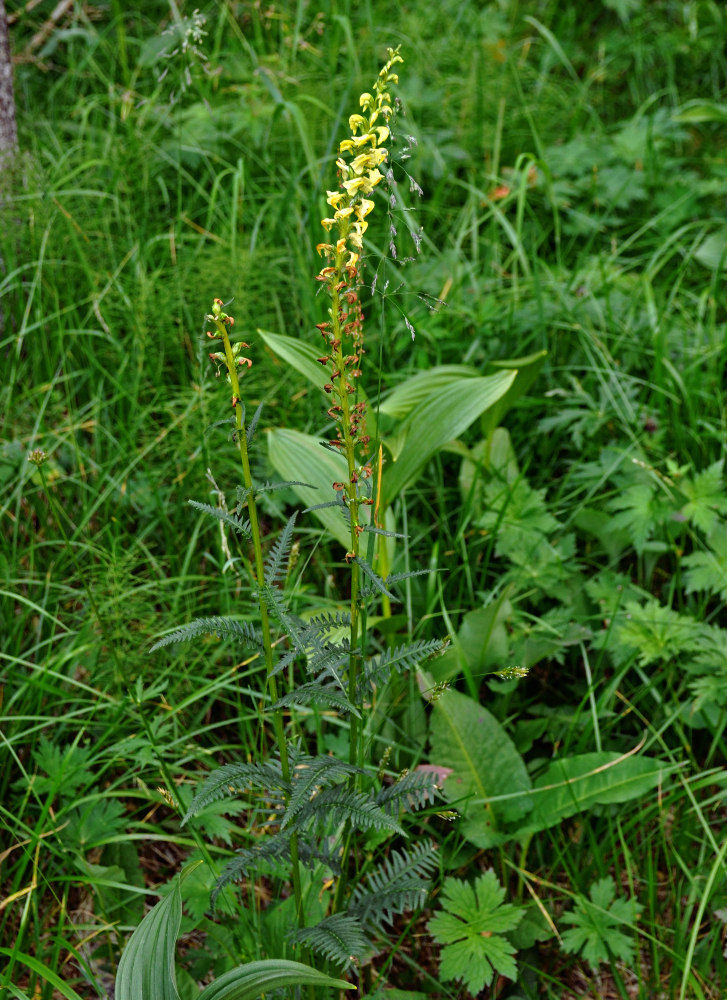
264 617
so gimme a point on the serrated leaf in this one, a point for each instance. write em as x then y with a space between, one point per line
706 498
231 520
339 938
223 628
707 571
485 763
596 921
471 930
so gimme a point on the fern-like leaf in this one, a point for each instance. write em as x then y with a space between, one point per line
278 611
321 624
339 938
325 662
315 693
407 657
273 849
276 564
252 426
337 803
310 774
231 520
376 581
232 779
224 628
401 883
411 791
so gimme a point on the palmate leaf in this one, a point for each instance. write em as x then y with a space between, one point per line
401 883
223 628
231 520
471 930
232 779
406 657
339 938
706 498
596 932
708 570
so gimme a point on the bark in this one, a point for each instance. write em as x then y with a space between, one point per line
8 128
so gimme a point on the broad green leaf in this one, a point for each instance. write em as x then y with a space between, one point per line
291 453
526 370
437 421
249 981
48 975
574 784
417 389
302 356
485 763
702 111
712 251
299 456
146 969
299 354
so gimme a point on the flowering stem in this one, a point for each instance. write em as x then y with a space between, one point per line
231 361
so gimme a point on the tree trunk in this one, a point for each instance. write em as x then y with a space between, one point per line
8 129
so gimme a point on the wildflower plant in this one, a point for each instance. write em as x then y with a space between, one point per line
329 822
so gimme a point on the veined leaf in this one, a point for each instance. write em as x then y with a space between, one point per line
417 389
300 456
146 969
574 784
443 417
252 980
485 763
527 370
299 355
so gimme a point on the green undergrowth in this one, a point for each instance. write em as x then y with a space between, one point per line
571 159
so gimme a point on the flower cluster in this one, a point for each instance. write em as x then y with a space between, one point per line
358 164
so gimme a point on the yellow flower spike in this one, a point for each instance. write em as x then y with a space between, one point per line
363 208
361 162
343 213
355 122
354 185
334 198
366 100
345 146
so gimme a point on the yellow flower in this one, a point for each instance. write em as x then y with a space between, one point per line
334 198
